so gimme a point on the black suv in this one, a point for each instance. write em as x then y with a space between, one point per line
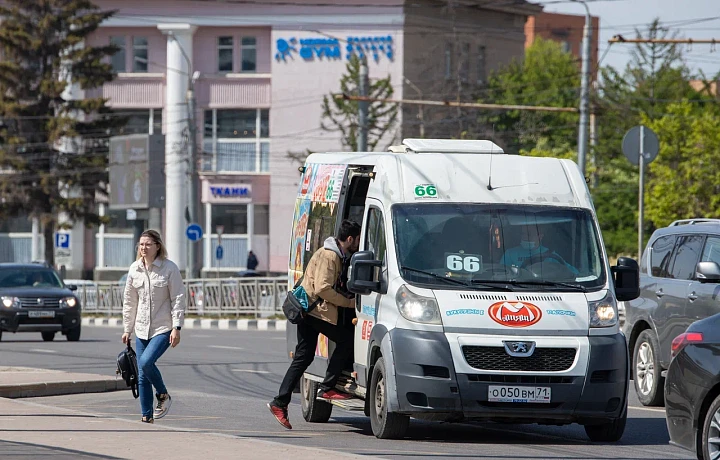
679 284
33 298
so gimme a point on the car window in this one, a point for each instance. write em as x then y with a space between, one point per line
660 254
686 257
711 253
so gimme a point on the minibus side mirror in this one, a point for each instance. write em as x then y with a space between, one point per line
362 274
708 272
627 279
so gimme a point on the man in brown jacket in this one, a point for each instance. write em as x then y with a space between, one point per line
323 281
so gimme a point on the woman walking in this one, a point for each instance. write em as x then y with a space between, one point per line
154 308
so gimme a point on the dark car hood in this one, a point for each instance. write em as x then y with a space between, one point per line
36 292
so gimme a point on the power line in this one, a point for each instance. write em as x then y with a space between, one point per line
456 104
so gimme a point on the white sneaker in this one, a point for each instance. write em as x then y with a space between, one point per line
163 405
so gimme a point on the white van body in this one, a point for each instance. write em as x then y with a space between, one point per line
462 334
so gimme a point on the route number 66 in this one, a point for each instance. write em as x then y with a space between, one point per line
458 263
426 190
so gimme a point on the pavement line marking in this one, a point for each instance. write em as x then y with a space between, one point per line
253 371
646 408
41 350
225 347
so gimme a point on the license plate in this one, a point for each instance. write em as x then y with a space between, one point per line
41 314
513 394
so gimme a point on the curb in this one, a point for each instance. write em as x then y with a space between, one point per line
223 324
69 387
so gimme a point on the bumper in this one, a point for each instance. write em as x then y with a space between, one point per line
18 320
429 388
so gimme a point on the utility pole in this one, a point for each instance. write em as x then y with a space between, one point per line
192 166
421 112
584 89
363 105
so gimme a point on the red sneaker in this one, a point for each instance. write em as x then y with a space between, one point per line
336 395
281 415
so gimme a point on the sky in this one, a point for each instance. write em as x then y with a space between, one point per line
697 19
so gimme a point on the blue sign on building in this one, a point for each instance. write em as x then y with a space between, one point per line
310 49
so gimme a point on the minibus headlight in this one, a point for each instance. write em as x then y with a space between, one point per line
417 308
603 313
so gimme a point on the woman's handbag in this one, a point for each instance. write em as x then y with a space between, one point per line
127 368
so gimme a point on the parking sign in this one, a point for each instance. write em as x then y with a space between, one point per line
62 240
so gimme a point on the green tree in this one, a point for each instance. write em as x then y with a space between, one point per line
655 78
684 180
342 115
54 154
548 76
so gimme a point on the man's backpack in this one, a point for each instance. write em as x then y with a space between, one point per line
128 369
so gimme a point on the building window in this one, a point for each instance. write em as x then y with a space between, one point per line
118 59
465 62
140 54
236 140
141 121
261 222
225 54
481 66
233 218
249 54
448 61
565 45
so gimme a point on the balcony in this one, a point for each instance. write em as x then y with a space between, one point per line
133 90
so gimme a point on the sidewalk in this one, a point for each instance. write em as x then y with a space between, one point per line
29 430
26 382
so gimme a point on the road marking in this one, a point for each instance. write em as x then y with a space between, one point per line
223 347
253 371
646 408
41 350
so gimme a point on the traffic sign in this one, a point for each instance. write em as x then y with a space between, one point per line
631 145
219 253
194 232
62 240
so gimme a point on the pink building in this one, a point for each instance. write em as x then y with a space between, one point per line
260 72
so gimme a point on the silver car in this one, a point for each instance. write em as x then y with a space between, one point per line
679 284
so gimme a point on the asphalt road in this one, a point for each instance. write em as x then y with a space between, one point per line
221 380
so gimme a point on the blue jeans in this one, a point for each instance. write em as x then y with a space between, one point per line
148 352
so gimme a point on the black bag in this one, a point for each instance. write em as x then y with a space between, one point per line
127 368
292 307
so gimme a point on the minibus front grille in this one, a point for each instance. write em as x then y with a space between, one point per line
541 360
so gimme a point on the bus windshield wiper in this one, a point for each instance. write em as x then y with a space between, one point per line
454 281
574 287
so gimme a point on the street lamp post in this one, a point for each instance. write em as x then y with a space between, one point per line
584 89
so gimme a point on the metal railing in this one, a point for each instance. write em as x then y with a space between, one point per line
223 297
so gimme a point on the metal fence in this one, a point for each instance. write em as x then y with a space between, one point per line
224 297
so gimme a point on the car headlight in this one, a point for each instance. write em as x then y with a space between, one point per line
68 302
417 308
604 312
10 302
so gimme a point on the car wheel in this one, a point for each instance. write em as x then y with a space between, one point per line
73 335
48 336
385 424
313 411
711 432
608 432
646 363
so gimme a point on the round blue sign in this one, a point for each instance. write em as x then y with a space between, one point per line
194 232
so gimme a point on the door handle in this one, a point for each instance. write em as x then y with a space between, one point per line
659 293
692 297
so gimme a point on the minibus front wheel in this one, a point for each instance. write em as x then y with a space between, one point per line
385 425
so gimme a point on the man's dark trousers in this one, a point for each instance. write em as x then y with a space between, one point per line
307 335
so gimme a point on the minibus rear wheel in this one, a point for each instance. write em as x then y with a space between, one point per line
313 410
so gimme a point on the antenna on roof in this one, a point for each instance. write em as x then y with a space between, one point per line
489 185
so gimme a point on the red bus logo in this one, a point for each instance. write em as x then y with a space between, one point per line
515 314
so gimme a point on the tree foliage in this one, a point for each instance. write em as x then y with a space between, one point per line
54 149
341 115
